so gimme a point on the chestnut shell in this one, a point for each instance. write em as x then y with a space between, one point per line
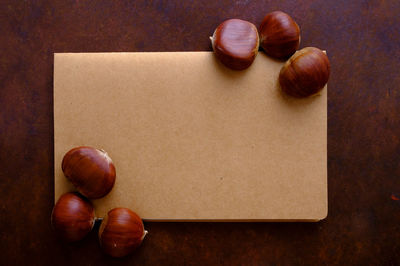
235 43
72 217
90 170
305 73
279 35
121 232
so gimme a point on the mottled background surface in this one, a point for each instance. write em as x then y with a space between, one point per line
363 42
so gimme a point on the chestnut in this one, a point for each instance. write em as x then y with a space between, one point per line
72 217
279 34
305 73
121 232
90 170
235 43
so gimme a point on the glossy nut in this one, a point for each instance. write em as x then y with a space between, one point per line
235 43
279 34
90 170
72 217
305 73
121 232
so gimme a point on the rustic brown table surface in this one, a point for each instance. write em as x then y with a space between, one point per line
363 42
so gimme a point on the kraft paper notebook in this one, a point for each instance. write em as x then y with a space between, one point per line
191 139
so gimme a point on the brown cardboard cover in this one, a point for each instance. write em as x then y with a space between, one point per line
191 139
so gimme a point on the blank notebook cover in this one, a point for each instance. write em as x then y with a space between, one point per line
191 139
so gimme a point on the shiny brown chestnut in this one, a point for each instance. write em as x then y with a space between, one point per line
90 170
235 43
72 217
279 34
121 232
305 73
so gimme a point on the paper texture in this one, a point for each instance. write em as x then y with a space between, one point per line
191 139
